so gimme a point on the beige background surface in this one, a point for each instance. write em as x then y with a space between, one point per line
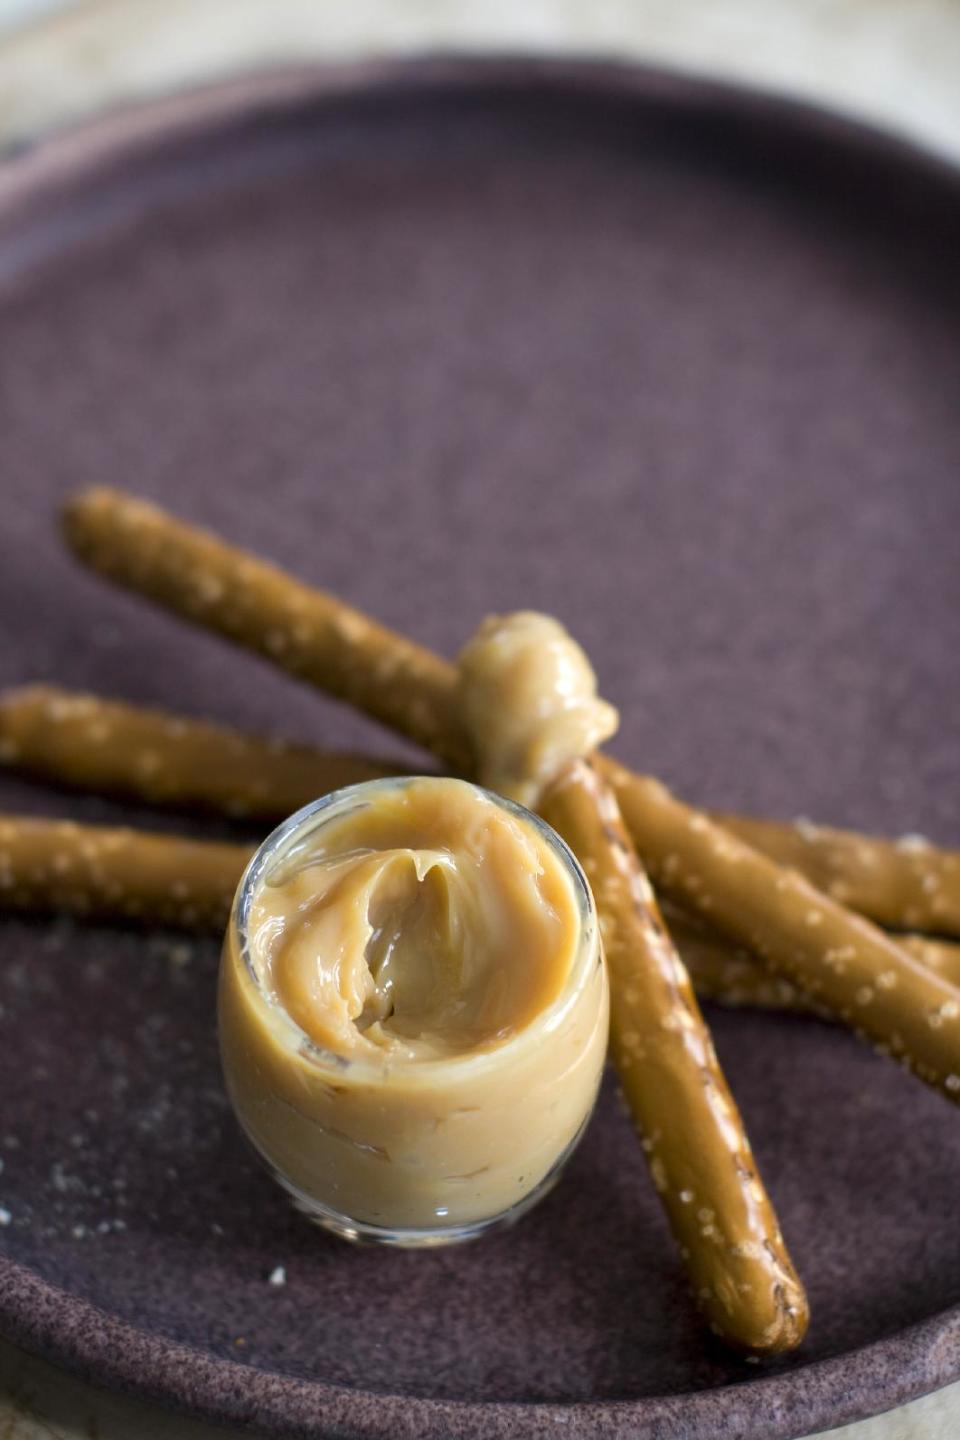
895 63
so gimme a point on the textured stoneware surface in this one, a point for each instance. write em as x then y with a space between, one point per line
680 366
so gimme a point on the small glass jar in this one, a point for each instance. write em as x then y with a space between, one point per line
410 1152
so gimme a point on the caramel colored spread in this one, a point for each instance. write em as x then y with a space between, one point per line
415 1035
528 698
431 923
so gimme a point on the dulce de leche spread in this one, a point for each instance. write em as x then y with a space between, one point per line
528 698
413 1012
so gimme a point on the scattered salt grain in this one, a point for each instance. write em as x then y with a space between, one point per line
5 1216
277 1276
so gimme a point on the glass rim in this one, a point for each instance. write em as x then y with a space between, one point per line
313 815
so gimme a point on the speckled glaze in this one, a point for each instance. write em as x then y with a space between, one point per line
676 364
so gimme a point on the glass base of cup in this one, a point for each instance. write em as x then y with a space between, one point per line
360 1232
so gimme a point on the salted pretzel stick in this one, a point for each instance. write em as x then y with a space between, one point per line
113 748
728 973
306 631
698 1153
529 702
342 651
839 959
102 872
907 884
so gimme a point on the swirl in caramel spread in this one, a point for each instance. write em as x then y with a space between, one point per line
430 923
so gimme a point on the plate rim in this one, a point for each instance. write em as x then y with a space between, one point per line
112 1353
103 1349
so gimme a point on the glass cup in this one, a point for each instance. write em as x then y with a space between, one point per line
410 1152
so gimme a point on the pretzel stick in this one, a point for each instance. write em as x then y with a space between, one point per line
729 974
102 872
306 631
907 884
698 1153
109 747
335 647
840 960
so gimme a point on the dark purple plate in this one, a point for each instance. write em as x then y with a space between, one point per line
678 363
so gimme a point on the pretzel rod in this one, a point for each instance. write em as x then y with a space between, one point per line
907 884
839 959
113 748
903 884
692 1134
311 634
729 974
102 872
